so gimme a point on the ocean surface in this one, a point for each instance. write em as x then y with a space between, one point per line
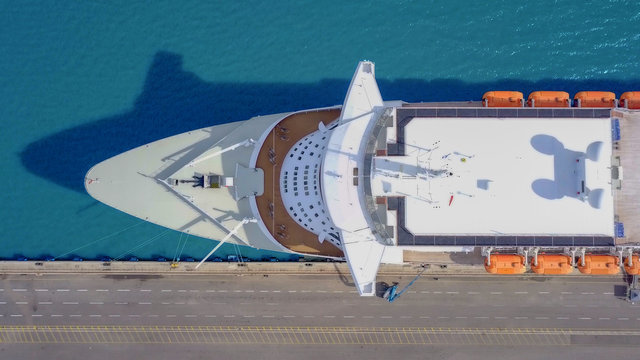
81 81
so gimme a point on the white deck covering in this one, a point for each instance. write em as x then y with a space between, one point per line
344 200
506 176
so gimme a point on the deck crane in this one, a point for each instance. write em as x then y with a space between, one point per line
392 293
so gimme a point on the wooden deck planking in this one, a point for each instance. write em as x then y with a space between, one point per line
296 237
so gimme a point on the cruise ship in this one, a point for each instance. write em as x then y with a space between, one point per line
537 184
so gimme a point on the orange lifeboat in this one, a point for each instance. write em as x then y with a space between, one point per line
630 100
503 99
634 268
505 264
597 99
599 265
553 264
549 99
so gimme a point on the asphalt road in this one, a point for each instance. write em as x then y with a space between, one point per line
279 315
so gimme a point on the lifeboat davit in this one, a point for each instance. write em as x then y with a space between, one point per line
597 99
503 99
505 264
630 100
634 268
549 99
599 265
553 264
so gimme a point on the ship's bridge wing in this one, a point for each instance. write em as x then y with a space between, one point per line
341 179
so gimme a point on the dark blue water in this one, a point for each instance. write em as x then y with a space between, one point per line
81 82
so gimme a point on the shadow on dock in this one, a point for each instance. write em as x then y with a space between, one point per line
174 101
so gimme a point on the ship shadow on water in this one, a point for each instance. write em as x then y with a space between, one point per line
174 101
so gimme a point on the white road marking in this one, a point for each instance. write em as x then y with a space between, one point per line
406 317
288 316
16 315
292 291
604 318
103 290
36 315
481 317
154 315
461 317
496 292
521 317
607 293
123 290
2 302
521 292
21 302
145 290
192 316
229 316
584 318
134 315
19 289
275 291
96 303
56 315
180 303
443 317
500 317
62 289
210 316
542 318
267 316
70 303
543 292
304 291
386 317
81 290
182 290
95 315
329 316
623 318
424 292
264 291
452 292
247 291
348 316
210 291
144 303
166 290
115 315
222 291
566 293
425 317
249 316
165 303
562 318
41 289
587 293
437 292
44 303
121 303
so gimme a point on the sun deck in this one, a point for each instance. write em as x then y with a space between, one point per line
271 207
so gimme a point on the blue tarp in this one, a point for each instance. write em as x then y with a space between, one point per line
615 129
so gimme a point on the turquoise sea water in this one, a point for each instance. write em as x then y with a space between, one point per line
83 81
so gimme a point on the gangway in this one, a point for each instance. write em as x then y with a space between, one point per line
392 293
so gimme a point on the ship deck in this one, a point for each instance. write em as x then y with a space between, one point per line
270 205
